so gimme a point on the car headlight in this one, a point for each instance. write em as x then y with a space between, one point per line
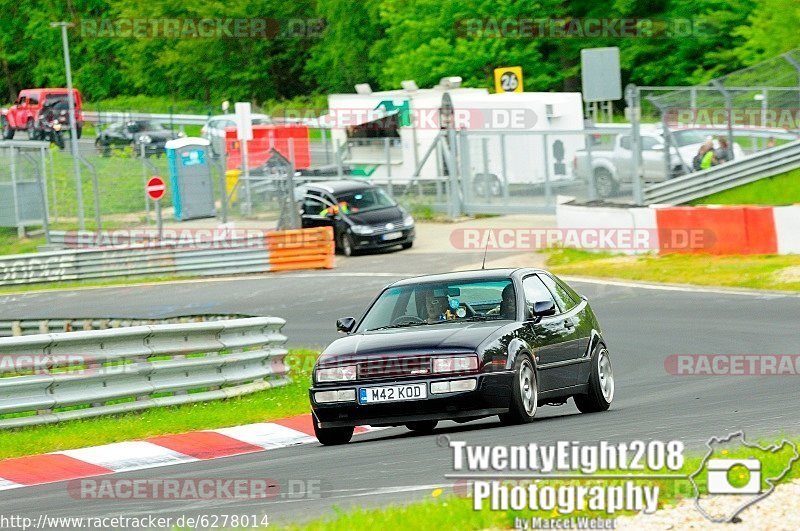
56 126
362 230
145 139
455 364
345 373
408 220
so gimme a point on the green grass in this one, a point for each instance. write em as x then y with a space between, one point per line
782 189
280 402
757 272
444 510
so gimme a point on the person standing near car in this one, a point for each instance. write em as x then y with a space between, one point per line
723 153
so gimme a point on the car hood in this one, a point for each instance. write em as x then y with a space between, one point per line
378 217
413 341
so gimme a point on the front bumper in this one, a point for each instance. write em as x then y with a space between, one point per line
376 241
492 395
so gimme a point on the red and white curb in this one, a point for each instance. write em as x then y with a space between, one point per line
157 452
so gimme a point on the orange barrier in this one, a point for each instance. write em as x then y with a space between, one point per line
301 249
717 230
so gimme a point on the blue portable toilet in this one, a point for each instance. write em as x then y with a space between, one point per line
190 177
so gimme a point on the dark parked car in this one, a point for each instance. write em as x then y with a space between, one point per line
363 216
462 346
136 134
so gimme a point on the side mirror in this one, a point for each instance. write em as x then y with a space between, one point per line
345 324
542 309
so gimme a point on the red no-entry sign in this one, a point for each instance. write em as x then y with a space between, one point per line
155 188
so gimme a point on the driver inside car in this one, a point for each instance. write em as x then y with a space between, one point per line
437 308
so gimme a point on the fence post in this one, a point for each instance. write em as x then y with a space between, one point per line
548 187
504 164
591 192
632 97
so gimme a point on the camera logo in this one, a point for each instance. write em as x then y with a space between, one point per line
734 476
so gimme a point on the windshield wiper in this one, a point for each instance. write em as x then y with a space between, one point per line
399 325
482 318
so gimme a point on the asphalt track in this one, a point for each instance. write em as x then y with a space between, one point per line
642 325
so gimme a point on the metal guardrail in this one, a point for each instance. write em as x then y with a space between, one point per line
767 163
274 251
49 378
26 327
116 116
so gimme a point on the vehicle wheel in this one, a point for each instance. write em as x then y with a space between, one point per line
101 148
677 171
347 245
333 436
484 185
525 393
8 131
601 384
59 140
407 245
422 426
31 130
604 183
78 131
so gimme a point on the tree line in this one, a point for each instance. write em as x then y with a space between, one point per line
260 50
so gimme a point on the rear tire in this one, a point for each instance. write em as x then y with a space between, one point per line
8 131
525 393
422 426
29 127
604 183
601 384
332 436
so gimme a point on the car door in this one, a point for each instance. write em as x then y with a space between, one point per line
313 206
653 159
551 336
577 319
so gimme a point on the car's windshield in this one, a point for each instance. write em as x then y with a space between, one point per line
427 304
365 199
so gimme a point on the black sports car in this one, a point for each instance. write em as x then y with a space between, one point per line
462 346
362 215
153 136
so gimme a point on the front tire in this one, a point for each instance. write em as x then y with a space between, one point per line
332 436
525 393
347 245
407 245
423 426
29 127
601 384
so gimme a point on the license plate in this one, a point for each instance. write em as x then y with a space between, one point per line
392 235
392 393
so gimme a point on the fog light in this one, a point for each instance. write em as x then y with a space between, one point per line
454 386
326 397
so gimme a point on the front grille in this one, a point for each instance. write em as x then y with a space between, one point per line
392 367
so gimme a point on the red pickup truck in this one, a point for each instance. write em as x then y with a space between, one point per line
24 114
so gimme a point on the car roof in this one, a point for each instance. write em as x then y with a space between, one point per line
460 276
340 186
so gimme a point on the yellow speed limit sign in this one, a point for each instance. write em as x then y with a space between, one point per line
508 79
